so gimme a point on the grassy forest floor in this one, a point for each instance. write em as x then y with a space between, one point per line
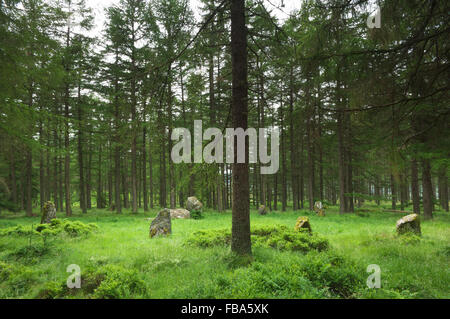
119 260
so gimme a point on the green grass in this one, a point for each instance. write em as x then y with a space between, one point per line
121 256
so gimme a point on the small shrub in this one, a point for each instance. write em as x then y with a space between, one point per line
383 293
167 263
256 280
29 253
22 231
5 271
52 290
409 239
15 279
119 282
278 237
444 251
106 282
57 226
210 238
338 274
78 228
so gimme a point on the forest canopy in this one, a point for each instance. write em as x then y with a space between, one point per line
363 112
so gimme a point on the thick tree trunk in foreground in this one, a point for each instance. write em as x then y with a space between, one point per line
292 145
240 230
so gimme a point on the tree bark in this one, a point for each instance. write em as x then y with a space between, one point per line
427 189
80 154
240 229
283 160
144 166
415 186
294 175
443 187
29 185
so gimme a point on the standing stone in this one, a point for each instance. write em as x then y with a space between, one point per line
180 213
318 208
263 210
48 213
409 224
193 204
303 223
162 224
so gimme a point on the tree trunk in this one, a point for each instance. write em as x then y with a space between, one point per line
117 190
443 187
240 230
341 163
393 193
427 189
133 131
66 137
349 181
415 186
343 208
13 177
89 176
41 169
283 159
144 166
29 185
100 200
150 164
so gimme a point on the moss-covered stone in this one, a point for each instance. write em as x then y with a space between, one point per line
319 209
193 204
303 224
55 227
409 224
